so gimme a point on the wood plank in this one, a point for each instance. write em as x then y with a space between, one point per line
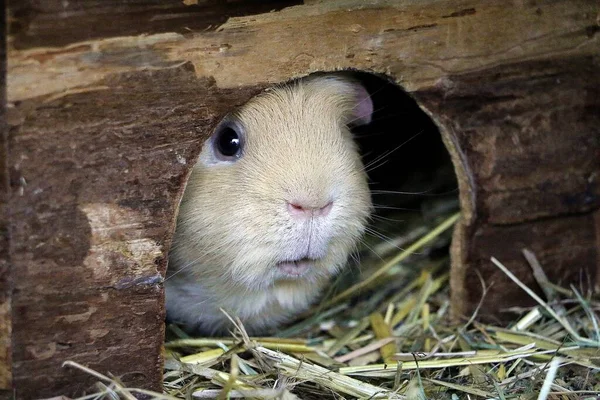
5 290
419 44
53 23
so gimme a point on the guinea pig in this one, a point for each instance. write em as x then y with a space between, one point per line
273 208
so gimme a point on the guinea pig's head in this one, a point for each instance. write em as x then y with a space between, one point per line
279 193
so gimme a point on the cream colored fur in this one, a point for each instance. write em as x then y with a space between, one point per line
234 226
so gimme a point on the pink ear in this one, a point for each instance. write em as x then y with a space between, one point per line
363 108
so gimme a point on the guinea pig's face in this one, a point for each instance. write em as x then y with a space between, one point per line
279 193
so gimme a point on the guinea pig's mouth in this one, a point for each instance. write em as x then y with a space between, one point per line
296 268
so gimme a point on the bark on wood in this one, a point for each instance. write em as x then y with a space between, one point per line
5 290
103 133
53 23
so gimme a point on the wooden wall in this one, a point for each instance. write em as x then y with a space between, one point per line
5 292
108 104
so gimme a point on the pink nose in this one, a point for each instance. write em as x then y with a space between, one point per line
305 210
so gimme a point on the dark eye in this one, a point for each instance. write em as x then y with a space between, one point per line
228 141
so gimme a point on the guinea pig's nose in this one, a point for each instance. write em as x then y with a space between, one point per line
306 210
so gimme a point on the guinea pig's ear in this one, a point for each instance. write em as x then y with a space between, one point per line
362 113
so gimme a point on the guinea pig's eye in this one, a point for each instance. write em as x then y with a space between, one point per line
227 141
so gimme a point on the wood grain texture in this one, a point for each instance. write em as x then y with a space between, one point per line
105 129
58 23
5 289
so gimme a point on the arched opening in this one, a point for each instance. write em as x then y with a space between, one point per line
413 188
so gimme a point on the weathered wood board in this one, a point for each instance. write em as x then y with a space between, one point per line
5 292
104 125
54 23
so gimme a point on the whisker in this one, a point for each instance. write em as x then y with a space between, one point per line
384 207
379 217
191 263
379 235
355 256
379 158
364 243
391 242
388 153
373 168
387 239
423 193
400 192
